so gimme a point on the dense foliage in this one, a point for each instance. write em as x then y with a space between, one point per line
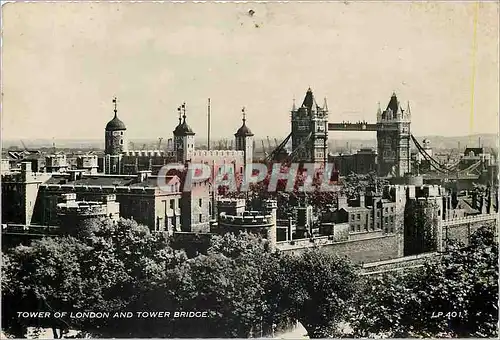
455 295
119 267
245 289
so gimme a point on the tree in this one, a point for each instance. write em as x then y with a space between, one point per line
252 254
354 184
319 288
46 276
455 295
108 268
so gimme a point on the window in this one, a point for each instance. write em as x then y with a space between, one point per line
378 225
386 210
358 227
386 219
200 218
392 209
352 217
378 213
392 218
200 202
352 227
172 204
121 142
121 133
359 217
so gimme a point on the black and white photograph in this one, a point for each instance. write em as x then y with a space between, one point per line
280 170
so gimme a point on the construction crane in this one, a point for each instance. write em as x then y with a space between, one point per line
269 143
273 153
28 150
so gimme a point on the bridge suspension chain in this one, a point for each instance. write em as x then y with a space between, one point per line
434 163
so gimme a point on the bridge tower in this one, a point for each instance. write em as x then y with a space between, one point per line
393 139
310 130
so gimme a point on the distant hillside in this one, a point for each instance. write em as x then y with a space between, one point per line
438 142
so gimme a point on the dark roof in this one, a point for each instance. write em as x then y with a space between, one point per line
243 131
309 101
105 180
393 103
98 180
183 129
476 151
115 124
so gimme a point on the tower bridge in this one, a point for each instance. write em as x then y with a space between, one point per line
310 126
309 139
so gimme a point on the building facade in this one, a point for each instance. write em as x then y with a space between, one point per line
393 139
310 130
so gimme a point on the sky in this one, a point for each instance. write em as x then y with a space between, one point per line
62 64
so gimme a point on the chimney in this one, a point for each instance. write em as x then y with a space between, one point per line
362 199
474 200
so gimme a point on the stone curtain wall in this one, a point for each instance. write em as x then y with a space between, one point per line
359 251
462 232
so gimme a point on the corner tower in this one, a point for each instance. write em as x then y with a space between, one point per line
244 140
393 139
183 137
310 130
115 143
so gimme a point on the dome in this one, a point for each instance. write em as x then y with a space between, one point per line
115 124
183 129
243 131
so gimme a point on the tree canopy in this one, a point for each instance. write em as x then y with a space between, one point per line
246 289
454 295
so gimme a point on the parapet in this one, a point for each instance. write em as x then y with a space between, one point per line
253 219
231 202
148 153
